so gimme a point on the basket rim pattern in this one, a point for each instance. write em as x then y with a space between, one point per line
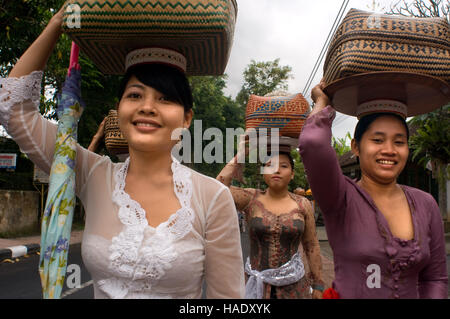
359 33
202 30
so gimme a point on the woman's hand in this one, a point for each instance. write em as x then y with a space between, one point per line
57 19
243 149
98 136
101 130
319 98
234 168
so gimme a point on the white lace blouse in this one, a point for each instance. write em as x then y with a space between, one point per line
125 256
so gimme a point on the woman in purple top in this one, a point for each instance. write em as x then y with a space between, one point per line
387 239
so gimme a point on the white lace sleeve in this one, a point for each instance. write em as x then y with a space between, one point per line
35 135
16 90
19 112
224 269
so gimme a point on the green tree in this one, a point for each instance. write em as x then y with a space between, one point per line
431 143
434 126
21 22
340 144
214 110
261 78
300 179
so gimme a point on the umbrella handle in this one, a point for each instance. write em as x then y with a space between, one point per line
74 53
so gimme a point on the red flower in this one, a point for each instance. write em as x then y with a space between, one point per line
330 293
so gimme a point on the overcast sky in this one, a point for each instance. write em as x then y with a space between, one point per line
293 31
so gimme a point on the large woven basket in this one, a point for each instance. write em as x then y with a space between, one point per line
200 29
114 140
367 42
287 113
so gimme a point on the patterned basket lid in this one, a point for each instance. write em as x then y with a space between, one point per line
286 113
201 30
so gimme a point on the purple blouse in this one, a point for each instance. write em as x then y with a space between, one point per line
359 235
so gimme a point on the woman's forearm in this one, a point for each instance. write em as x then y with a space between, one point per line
36 56
98 136
226 175
94 144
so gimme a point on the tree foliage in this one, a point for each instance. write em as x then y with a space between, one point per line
261 78
340 144
300 179
431 140
21 22
422 8
214 110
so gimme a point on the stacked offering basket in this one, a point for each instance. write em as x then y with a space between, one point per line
374 56
285 113
202 30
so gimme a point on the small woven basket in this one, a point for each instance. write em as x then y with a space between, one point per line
367 42
287 113
202 30
114 140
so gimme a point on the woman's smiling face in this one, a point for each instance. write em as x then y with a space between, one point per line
147 117
383 150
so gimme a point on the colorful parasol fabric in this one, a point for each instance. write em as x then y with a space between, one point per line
57 220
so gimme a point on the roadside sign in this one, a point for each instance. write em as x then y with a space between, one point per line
8 160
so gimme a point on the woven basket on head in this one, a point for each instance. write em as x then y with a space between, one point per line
368 42
287 113
200 29
386 57
114 140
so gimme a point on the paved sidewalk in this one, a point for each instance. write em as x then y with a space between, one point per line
12 248
327 257
10 242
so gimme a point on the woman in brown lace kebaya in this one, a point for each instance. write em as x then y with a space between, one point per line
279 222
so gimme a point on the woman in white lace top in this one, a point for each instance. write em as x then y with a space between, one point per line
154 228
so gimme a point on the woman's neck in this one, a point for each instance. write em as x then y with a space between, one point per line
149 164
277 193
376 189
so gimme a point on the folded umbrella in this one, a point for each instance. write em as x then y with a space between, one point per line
58 214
